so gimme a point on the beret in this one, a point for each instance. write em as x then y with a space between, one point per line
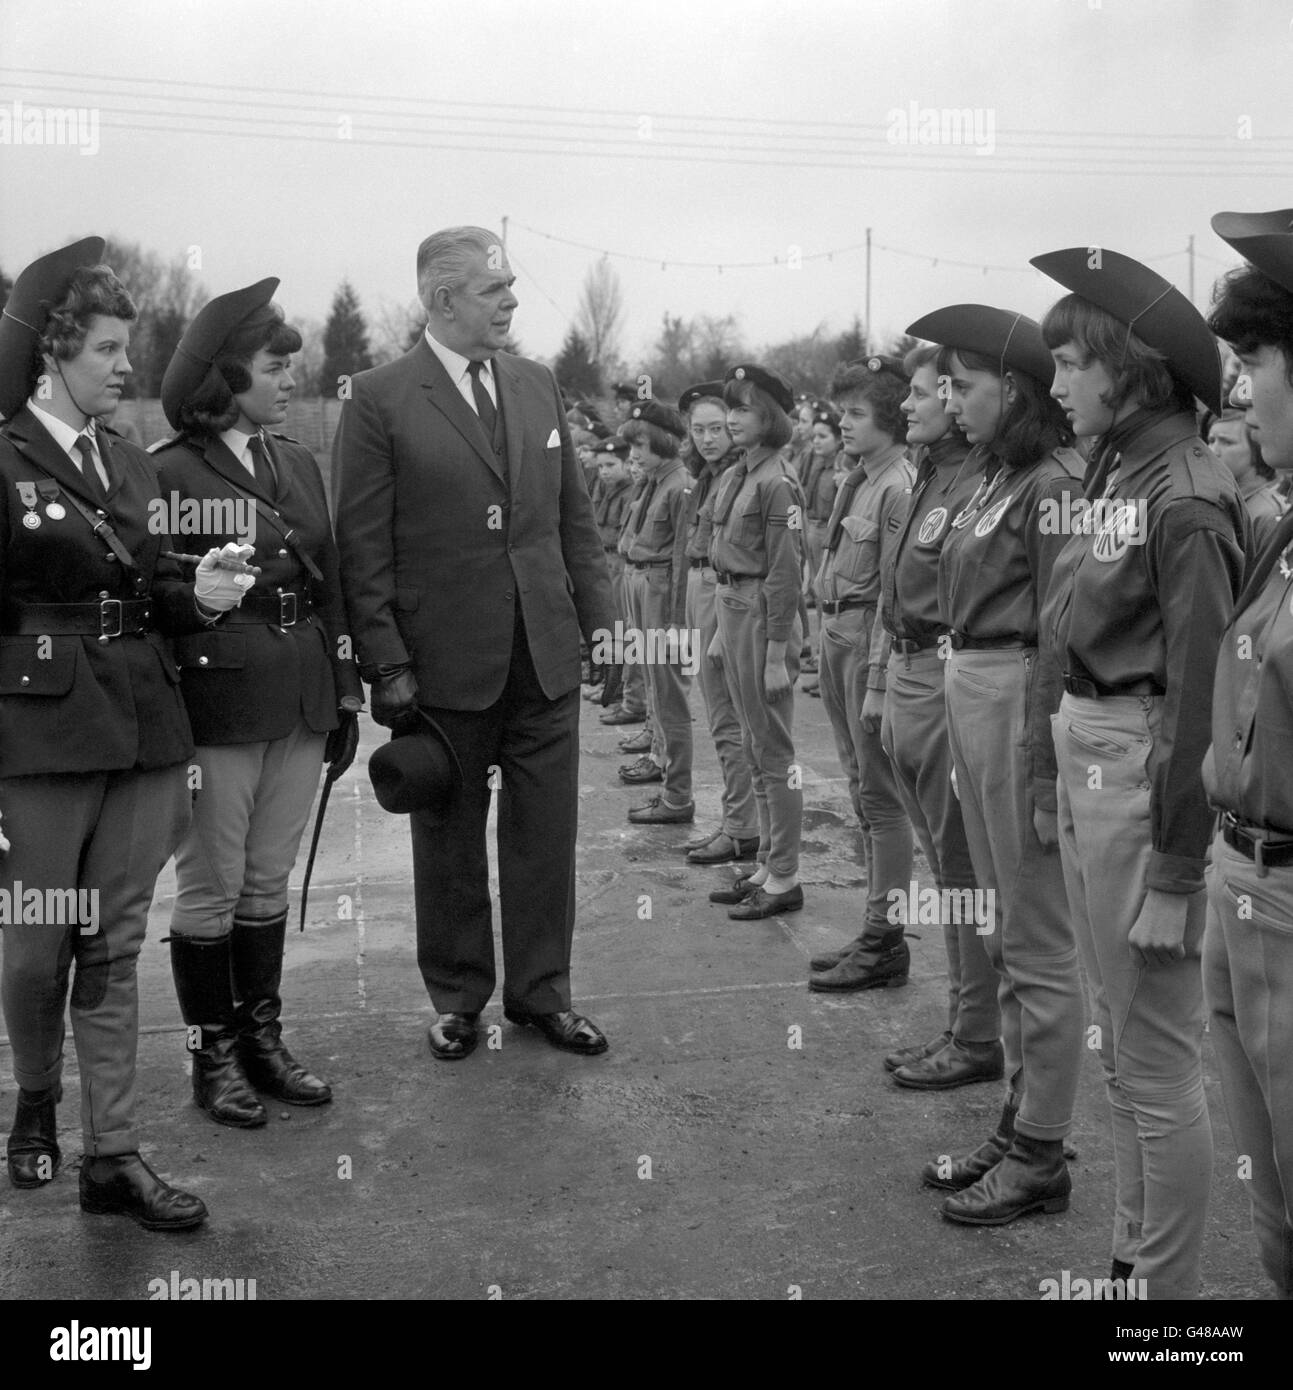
656 413
704 390
773 383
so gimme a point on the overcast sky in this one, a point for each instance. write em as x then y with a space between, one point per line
703 131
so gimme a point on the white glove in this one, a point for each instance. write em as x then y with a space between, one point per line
221 589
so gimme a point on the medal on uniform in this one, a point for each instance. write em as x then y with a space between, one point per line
27 496
55 511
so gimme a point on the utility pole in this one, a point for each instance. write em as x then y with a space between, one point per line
1189 251
504 233
868 289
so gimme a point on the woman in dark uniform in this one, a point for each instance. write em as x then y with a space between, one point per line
1248 771
994 369
94 741
272 692
1138 600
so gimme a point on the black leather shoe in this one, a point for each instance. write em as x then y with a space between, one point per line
829 959
567 1030
620 715
655 812
904 1056
957 1064
740 890
761 903
956 1174
33 1142
124 1185
453 1036
723 849
1032 1177
637 743
641 772
871 966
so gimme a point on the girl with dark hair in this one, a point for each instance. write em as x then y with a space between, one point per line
757 554
824 441
994 569
272 692
1232 443
94 741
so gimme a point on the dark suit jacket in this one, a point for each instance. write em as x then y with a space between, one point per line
250 682
70 703
440 541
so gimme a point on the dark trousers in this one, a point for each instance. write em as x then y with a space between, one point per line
527 747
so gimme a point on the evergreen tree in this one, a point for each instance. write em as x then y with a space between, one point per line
345 340
575 368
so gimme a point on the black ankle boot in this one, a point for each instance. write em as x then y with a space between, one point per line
1031 1177
204 985
258 973
33 1142
960 1173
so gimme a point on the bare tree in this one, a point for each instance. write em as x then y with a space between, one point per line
396 327
308 366
600 312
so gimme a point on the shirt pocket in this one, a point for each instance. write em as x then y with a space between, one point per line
24 670
748 531
858 552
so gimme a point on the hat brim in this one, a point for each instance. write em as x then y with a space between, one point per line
1013 340
1263 239
417 771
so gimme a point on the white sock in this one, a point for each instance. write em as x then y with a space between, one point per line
760 876
778 885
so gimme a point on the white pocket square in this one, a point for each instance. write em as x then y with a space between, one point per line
554 439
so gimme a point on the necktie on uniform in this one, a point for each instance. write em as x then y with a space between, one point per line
485 407
262 468
734 478
843 501
89 472
643 507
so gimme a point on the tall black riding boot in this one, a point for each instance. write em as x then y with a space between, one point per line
33 1142
258 972
204 985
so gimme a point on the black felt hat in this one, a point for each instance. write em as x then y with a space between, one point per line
1263 239
38 288
613 444
195 356
662 416
765 379
705 390
1010 339
417 771
1153 308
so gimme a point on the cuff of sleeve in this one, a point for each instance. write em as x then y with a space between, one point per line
1174 873
1044 797
876 679
780 632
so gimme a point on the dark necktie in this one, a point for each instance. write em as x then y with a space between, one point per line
644 506
843 501
737 475
93 483
261 466
485 408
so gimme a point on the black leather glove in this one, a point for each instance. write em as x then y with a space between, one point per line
343 742
395 698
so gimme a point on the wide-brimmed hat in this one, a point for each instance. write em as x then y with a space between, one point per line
194 357
417 771
1151 307
1263 239
35 292
1013 340
773 383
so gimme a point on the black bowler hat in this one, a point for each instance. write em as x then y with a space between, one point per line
613 444
195 356
705 390
1263 239
662 416
766 380
1151 307
35 292
1013 340
417 772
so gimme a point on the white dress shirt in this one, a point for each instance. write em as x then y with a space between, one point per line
236 441
65 437
457 367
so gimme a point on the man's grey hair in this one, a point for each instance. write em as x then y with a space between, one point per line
444 256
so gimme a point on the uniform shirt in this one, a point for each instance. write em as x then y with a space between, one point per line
1145 597
819 487
635 496
700 506
611 507
65 436
1265 507
909 606
1246 770
758 530
993 574
459 369
657 534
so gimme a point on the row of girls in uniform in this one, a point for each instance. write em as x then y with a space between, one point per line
148 710
1019 649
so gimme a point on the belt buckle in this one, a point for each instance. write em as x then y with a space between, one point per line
105 607
286 605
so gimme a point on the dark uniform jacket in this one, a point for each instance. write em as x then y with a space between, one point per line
610 507
819 487
442 540
1145 597
70 702
248 680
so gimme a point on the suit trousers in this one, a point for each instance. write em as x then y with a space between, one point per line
914 735
111 832
1148 1019
249 813
667 683
528 747
873 788
766 729
1033 947
634 694
1248 984
740 815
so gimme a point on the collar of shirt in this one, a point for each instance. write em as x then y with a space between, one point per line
236 441
458 368
1255 484
760 454
883 461
63 434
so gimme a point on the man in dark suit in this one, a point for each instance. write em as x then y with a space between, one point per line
471 564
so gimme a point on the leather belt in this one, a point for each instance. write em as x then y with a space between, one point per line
611 549
1256 843
109 618
833 606
724 577
1093 690
648 564
697 564
904 646
284 609
986 644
